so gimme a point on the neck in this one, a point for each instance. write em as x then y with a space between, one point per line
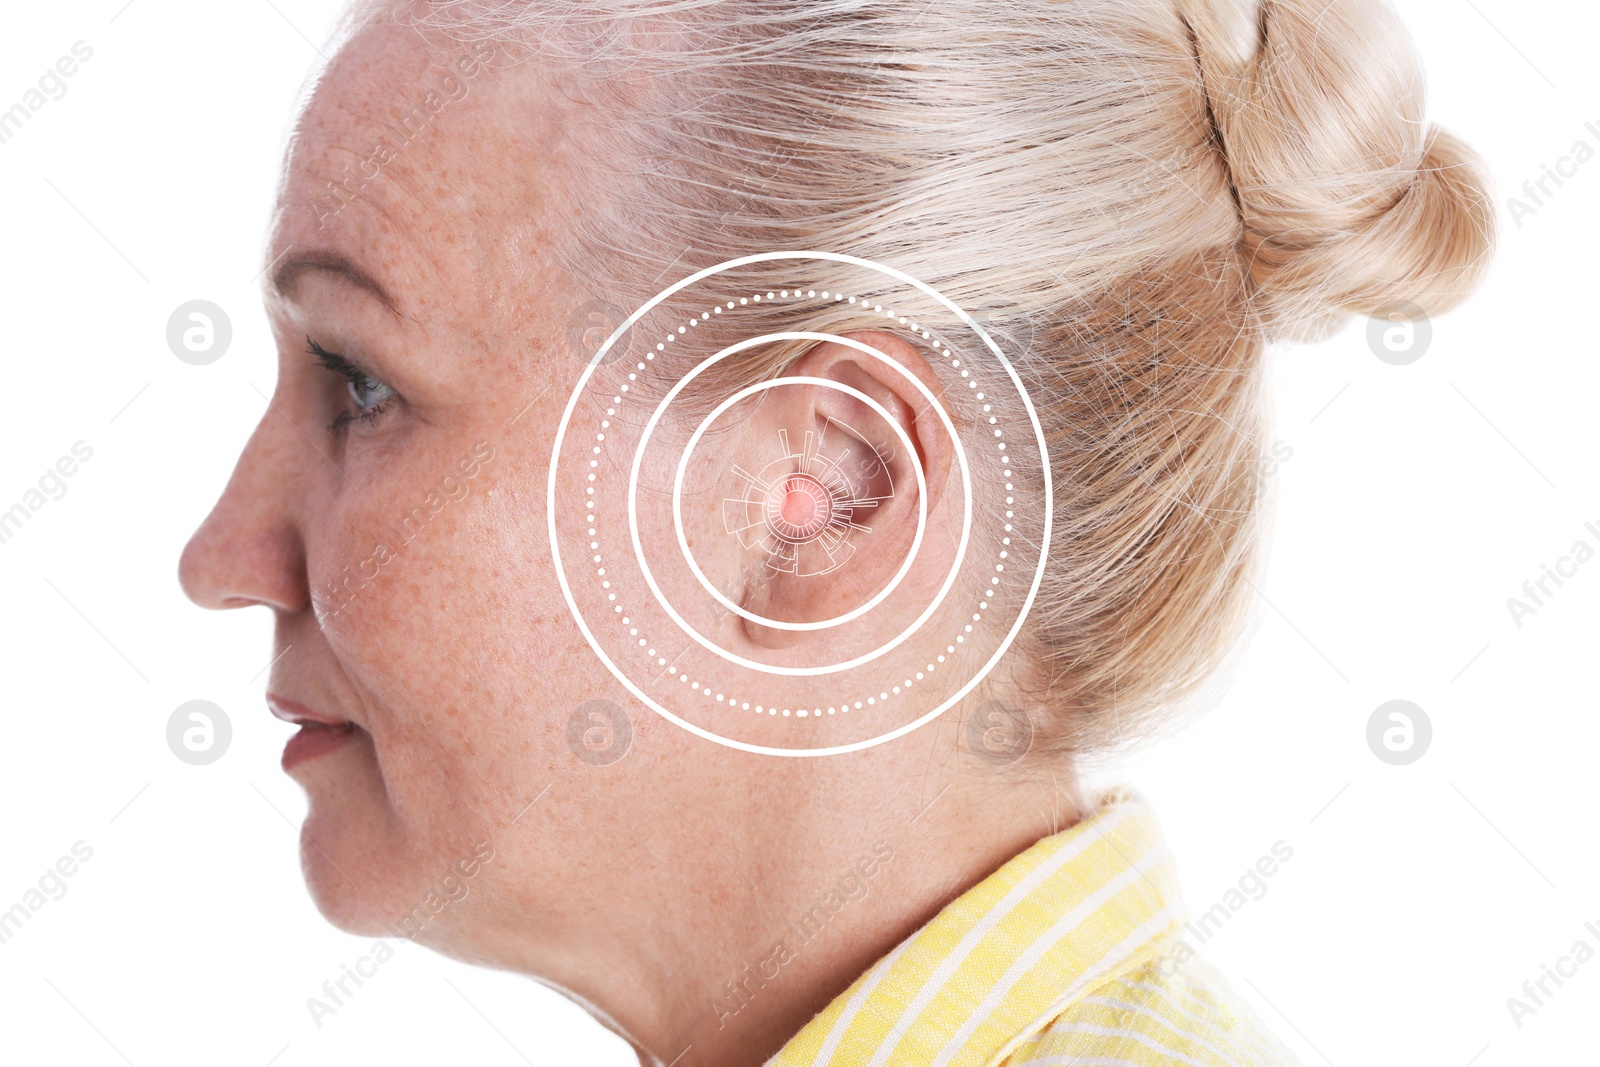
736 953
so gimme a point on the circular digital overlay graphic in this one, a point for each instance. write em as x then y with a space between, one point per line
806 506
750 568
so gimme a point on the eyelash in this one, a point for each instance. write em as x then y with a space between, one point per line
354 377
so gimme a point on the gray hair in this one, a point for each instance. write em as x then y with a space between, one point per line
1140 193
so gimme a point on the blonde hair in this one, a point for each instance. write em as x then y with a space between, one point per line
1141 194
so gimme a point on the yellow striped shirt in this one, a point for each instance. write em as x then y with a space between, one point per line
1068 954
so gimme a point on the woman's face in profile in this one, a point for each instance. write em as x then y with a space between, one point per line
391 510
389 507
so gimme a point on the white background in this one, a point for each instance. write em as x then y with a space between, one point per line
1417 500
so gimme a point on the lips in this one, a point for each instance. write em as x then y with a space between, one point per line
319 733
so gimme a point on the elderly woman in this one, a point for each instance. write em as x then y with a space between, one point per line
733 462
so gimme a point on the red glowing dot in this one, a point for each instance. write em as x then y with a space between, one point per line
799 507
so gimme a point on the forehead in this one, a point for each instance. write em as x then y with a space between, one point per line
435 166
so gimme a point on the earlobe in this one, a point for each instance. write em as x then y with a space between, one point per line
864 445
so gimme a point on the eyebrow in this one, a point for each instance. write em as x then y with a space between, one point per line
340 266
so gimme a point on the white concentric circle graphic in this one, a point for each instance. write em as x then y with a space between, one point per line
814 496
800 512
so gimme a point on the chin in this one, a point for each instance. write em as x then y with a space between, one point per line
372 874
352 855
346 907
389 893
353 893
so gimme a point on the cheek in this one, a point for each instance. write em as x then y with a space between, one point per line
437 596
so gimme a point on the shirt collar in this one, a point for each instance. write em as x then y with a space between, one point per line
1074 910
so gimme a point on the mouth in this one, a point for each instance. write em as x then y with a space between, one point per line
319 733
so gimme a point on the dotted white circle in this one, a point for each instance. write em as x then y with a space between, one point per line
617 400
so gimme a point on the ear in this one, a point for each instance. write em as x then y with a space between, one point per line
844 507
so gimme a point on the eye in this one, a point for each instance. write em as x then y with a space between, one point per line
369 395
367 392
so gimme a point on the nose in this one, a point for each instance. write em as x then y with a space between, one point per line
250 550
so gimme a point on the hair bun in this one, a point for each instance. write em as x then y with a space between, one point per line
1351 200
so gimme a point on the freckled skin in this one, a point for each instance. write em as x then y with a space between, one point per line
636 888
